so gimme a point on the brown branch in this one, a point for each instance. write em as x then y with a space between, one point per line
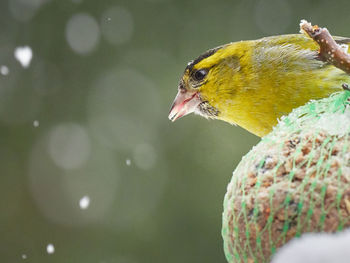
329 51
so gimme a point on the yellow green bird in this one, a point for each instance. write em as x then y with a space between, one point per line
253 83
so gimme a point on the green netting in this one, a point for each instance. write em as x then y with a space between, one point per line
296 180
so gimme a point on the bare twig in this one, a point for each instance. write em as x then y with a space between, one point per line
329 51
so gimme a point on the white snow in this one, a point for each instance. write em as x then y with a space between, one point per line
316 248
24 55
50 249
84 202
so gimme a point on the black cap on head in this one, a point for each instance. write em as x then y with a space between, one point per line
206 54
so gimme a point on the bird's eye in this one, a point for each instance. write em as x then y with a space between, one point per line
200 74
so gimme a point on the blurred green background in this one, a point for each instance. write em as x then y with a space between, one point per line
89 162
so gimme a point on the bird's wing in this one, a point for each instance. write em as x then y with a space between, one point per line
302 41
342 40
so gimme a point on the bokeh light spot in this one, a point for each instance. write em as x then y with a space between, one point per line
69 146
120 115
273 16
24 10
117 25
56 191
82 33
145 156
4 70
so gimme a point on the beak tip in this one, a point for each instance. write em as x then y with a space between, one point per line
172 117
183 104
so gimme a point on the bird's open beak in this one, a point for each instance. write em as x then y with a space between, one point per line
184 103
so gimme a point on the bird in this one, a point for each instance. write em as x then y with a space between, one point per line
254 83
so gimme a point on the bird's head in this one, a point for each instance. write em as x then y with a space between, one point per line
203 88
